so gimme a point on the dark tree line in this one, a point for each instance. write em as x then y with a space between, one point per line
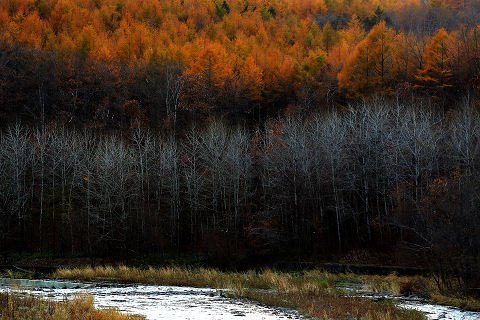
378 174
36 84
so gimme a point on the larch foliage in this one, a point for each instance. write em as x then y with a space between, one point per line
252 79
371 65
436 71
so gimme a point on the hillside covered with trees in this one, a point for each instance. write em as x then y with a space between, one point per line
241 129
118 62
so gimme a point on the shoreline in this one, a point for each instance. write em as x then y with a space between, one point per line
308 292
313 293
244 284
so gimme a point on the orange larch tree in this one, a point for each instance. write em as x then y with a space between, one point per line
371 65
436 73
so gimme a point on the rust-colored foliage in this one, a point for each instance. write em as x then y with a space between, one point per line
261 51
437 70
371 66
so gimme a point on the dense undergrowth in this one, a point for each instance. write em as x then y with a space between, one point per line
18 307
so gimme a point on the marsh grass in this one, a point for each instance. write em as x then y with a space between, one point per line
420 286
313 293
333 306
20 307
399 285
286 282
467 303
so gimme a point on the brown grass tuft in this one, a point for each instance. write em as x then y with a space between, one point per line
16 307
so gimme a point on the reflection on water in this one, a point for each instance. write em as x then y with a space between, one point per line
51 284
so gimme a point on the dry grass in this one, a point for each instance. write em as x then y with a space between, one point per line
16 307
313 281
313 292
467 303
400 285
333 306
420 286
167 276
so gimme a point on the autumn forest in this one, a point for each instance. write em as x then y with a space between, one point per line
109 62
243 129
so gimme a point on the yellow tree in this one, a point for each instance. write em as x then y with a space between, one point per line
212 65
208 75
310 75
407 58
450 4
251 78
306 8
353 33
35 32
4 19
338 55
329 36
370 68
62 16
436 72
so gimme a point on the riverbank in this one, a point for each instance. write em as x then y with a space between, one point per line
315 281
314 293
17 307
420 286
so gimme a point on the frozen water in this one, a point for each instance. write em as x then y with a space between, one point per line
436 312
161 302
431 311
169 302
